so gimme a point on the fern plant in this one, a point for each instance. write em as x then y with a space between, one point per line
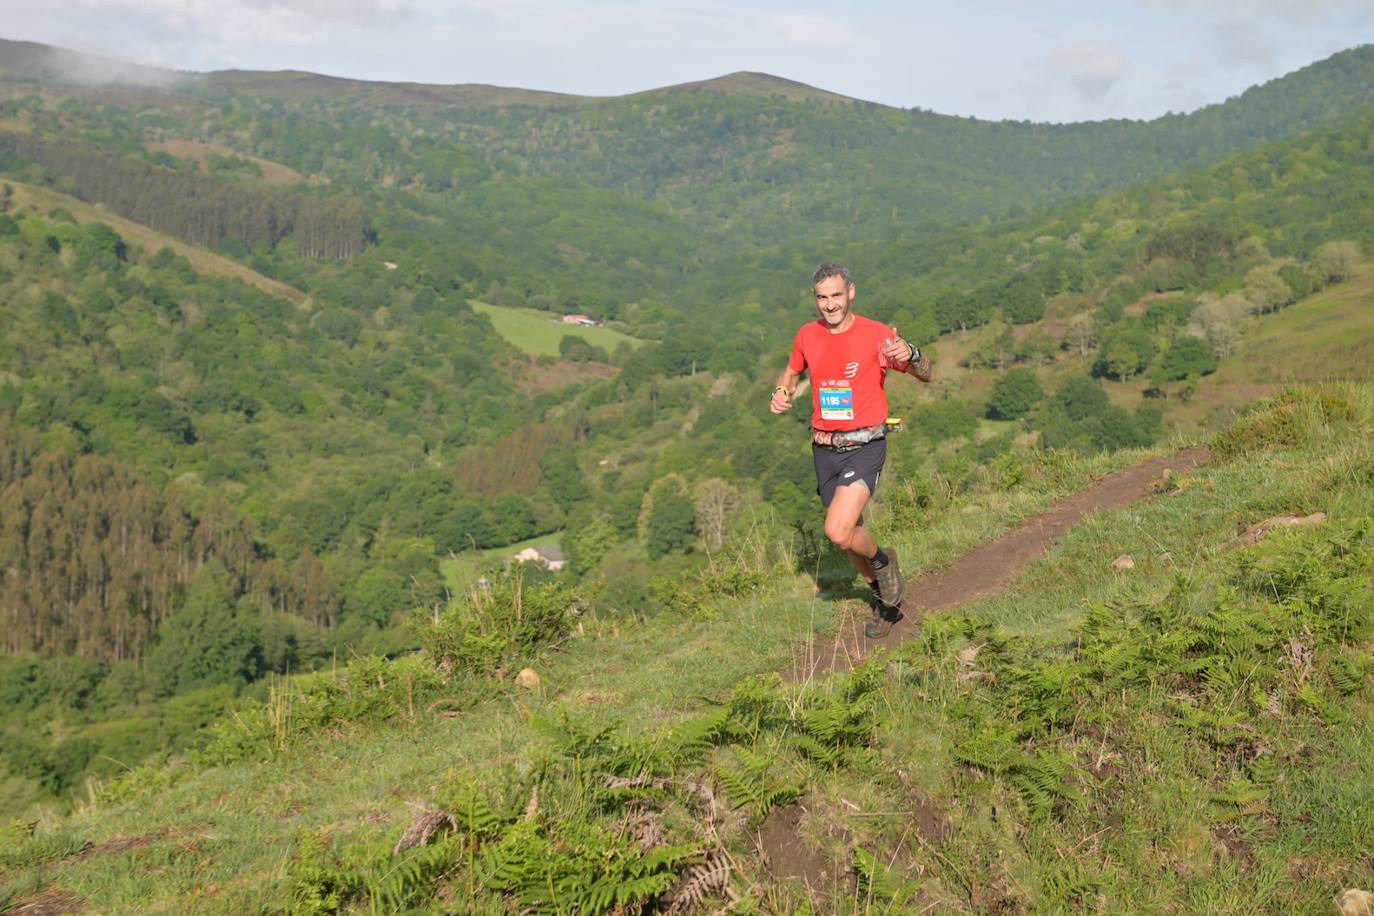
880 884
586 870
318 882
1070 886
753 786
1043 782
394 882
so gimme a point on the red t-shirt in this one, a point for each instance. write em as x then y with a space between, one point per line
848 372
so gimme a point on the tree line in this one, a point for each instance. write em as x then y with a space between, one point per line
194 207
96 557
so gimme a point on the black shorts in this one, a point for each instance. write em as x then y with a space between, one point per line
840 469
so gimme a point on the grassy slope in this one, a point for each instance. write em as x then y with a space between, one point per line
1326 336
1159 846
217 840
138 234
242 821
272 172
538 333
1329 335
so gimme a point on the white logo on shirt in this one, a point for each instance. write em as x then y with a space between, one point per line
851 370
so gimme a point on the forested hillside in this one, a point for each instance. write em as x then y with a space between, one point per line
208 479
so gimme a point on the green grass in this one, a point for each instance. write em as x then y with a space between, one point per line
1156 799
245 819
539 333
1326 336
461 570
1151 817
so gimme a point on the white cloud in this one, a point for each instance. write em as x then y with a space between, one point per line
351 12
1241 41
1260 9
1092 69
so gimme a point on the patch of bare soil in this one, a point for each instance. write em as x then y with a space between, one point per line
989 568
1256 532
536 377
1141 305
120 844
783 143
1055 330
929 819
1229 839
51 902
786 854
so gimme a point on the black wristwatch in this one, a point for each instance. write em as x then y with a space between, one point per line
915 353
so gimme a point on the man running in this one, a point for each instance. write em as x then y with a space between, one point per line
848 357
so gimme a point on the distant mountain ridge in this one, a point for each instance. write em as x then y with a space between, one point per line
32 61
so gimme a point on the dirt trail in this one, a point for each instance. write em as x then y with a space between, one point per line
989 568
984 570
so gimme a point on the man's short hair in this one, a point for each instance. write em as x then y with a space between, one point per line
831 269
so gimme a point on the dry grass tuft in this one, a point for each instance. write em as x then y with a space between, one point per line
712 876
424 824
647 829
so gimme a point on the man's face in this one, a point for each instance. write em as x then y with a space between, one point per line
833 296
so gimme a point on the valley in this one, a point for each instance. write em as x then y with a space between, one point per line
288 363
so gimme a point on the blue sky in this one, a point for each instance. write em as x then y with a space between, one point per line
1043 60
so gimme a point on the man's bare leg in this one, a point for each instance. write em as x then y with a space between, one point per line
844 530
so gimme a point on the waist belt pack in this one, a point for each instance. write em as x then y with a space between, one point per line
845 440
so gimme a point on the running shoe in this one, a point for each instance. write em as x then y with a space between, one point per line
890 585
884 616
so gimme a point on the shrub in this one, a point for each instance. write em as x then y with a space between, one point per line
669 518
941 420
1334 262
501 624
1081 397
1292 418
1299 283
1014 395
205 643
1124 351
1081 418
1022 301
1187 357
695 592
368 690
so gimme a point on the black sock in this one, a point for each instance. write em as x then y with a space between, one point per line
878 560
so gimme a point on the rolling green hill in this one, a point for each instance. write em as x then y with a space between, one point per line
746 153
252 420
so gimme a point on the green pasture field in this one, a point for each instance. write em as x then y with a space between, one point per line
461 570
539 333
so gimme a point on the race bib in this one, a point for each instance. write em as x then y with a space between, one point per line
837 403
